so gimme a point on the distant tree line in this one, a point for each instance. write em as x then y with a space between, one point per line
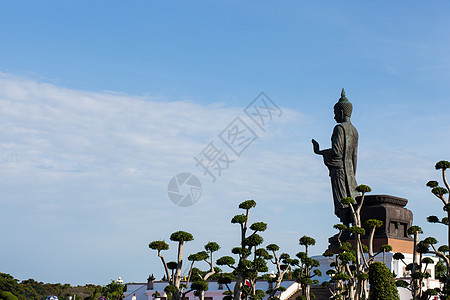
30 289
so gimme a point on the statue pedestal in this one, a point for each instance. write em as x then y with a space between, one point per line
396 221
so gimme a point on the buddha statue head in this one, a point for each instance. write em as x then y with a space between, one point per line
342 109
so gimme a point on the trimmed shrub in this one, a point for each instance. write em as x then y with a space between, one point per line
382 283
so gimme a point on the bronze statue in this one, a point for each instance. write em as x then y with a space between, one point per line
341 157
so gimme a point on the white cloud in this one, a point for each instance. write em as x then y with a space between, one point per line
84 178
92 168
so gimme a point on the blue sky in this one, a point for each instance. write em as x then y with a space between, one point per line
103 102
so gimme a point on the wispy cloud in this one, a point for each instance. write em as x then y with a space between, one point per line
93 164
84 178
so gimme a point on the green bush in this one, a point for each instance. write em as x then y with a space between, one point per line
7 296
382 283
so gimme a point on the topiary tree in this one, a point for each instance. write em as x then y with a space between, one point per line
305 271
247 268
440 193
417 273
283 264
201 280
382 283
175 279
357 283
350 265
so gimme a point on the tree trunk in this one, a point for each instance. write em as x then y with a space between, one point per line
237 288
179 265
413 281
351 292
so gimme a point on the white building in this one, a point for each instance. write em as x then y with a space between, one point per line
146 291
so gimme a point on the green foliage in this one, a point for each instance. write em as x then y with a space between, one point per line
301 255
398 256
260 264
427 260
422 247
172 265
346 246
261 252
226 261
373 223
382 283
212 247
340 227
348 200
414 229
340 276
443 248
443 164
171 289
200 285
357 230
7 296
432 184
272 247
409 267
328 253
181 236
199 256
386 248
433 219
284 256
224 279
158 245
363 276
281 289
365 248
439 191
307 241
237 250
363 188
253 240
247 204
239 219
401 283
417 275
113 290
430 241
259 294
306 271
8 283
431 292
440 269
259 226
31 289
347 257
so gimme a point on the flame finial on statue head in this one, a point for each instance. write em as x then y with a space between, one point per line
344 104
